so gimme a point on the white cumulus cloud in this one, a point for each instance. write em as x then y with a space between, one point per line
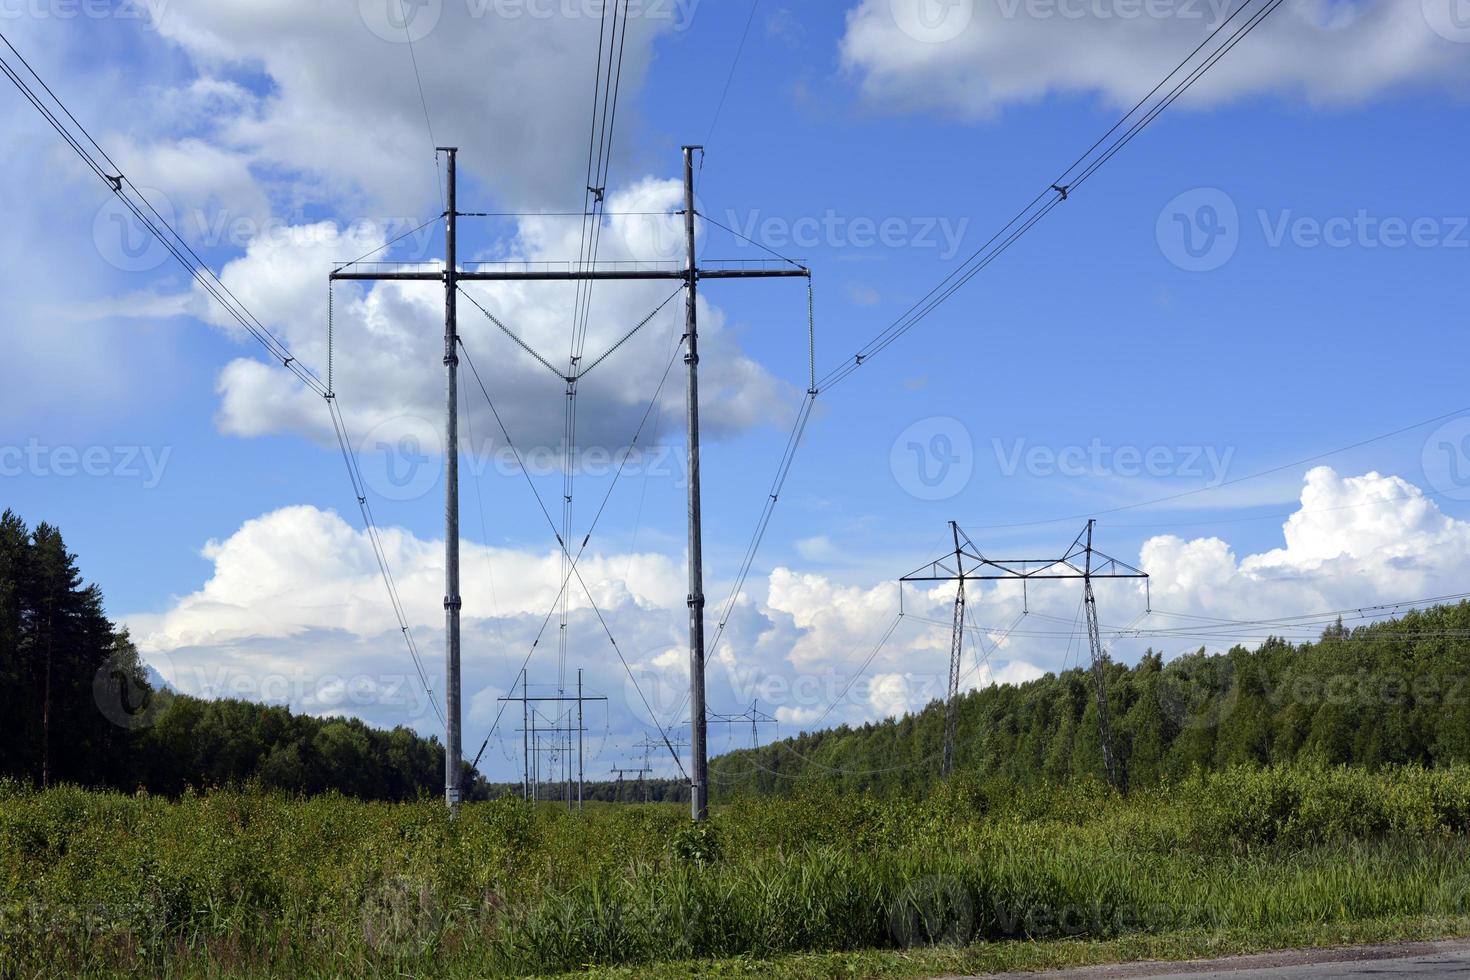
972 57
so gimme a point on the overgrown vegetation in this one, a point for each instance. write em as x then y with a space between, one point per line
1391 693
265 884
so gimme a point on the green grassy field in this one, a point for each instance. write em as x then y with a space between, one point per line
977 876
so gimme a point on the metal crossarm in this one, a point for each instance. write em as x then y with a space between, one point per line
690 272
1080 561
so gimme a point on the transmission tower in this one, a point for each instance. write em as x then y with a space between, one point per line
1081 561
649 746
752 716
691 274
529 730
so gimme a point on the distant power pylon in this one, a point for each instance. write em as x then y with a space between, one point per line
530 729
649 746
640 774
752 716
1081 561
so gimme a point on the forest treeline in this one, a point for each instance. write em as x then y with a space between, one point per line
76 706
1382 694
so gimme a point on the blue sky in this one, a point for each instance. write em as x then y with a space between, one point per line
1097 340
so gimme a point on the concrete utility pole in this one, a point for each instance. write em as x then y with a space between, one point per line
525 724
691 274
968 564
580 732
453 756
699 767
452 753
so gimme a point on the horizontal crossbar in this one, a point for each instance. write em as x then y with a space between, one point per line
970 577
571 276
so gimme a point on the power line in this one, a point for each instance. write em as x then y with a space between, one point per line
730 75
359 490
1056 191
982 257
424 102
1294 464
603 127
567 214
205 277
763 522
570 563
389 244
746 238
157 226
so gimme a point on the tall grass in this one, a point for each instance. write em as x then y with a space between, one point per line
95 883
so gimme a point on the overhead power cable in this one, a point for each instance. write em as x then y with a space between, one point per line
423 100
1063 187
1294 464
359 491
148 216
106 169
513 336
393 241
730 75
1056 191
607 83
571 563
763 522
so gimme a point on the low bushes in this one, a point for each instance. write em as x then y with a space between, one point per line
105 882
